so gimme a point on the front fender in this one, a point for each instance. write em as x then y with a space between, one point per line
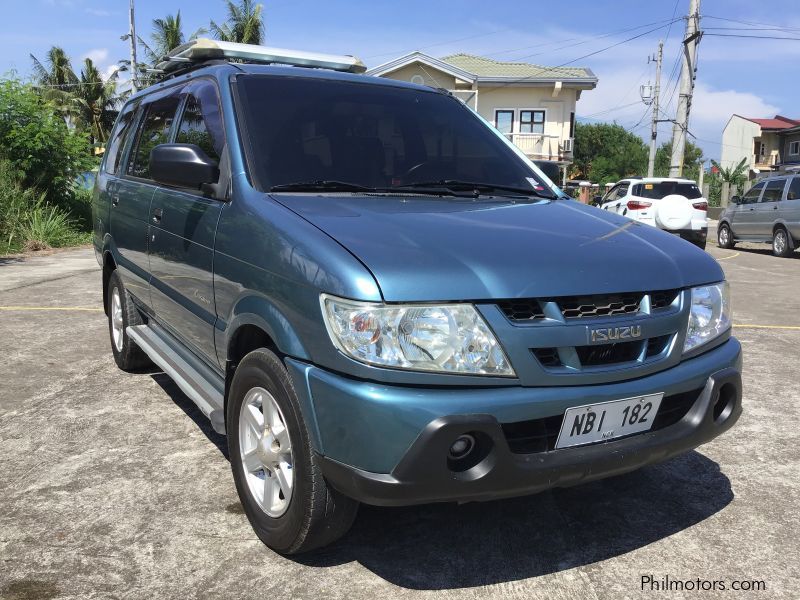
259 311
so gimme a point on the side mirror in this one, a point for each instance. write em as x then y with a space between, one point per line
735 200
182 165
597 201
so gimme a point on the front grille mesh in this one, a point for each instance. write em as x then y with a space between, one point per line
586 307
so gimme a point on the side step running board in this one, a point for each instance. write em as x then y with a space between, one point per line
203 386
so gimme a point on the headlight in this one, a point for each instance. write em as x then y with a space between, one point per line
450 338
710 316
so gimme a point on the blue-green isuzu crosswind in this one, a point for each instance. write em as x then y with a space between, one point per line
379 299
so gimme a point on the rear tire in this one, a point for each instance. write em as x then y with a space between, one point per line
781 243
122 313
263 416
725 237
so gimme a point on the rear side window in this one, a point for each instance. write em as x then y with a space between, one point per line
794 189
659 190
118 137
154 131
201 123
774 190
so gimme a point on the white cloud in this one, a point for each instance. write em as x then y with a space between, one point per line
97 55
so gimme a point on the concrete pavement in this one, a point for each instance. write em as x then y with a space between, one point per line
114 486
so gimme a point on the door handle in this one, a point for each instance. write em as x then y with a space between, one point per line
114 199
157 214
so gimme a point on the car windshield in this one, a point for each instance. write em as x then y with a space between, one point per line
321 134
657 191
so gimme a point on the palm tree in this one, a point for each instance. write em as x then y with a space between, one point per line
95 101
166 36
244 23
56 72
56 80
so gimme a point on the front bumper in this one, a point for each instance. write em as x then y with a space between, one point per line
424 475
388 445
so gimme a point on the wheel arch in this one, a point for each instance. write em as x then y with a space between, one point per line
109 266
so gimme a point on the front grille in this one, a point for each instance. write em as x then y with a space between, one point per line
548 357
521 310
540 435
581 307
657 345
586 307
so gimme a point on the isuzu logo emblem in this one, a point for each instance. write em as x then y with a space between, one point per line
613 334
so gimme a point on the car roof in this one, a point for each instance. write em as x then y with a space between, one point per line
656 180
223 70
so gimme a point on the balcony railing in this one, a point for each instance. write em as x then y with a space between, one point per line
541 146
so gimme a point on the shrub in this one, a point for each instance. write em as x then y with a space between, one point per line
38 143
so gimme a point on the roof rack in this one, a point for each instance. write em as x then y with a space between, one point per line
202 50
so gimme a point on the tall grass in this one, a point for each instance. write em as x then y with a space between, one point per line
27 222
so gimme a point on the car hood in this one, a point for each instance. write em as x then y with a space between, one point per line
439 249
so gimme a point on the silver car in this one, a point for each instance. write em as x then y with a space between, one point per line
769 212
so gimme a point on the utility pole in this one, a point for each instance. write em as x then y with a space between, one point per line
132 38
688 71
651 163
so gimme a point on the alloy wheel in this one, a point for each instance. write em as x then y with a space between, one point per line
117 325
266 452
780 241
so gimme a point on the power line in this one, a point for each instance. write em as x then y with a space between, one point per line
757 23
574 60
757 37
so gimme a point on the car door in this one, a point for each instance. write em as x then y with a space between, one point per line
789 209
130 205
183 227
766 212
744 219
609 200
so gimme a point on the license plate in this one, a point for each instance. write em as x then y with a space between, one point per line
607 420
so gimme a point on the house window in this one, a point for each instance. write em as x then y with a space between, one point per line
531 121
504 120
794 148
572 124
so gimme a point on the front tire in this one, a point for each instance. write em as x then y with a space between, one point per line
781 244
284 495
725 237
122 313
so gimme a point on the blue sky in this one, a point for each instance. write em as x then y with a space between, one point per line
752 77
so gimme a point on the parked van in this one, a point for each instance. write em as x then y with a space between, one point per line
379 299
769 212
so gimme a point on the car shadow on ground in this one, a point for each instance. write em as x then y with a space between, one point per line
765 251
450 546
183 402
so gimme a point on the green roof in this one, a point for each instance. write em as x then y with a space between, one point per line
486 67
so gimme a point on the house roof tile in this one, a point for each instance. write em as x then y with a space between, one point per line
777 122
486 67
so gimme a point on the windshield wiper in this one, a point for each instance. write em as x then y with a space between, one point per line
328 185
477 187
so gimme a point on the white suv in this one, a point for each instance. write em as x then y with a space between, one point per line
671 204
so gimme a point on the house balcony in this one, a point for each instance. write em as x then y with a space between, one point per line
539 146
766 162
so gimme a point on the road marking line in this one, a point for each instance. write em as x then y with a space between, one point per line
734 255
788 327
71 308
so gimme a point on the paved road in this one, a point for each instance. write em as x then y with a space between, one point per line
113 486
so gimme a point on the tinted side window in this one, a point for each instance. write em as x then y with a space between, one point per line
774 190
752 194
201 123
154 131
794 189
116 144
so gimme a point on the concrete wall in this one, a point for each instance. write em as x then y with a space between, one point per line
557 110
430 76
786 141
737 141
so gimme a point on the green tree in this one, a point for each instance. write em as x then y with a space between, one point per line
96 101
244 23
37 143
167 35
607 152
692 160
